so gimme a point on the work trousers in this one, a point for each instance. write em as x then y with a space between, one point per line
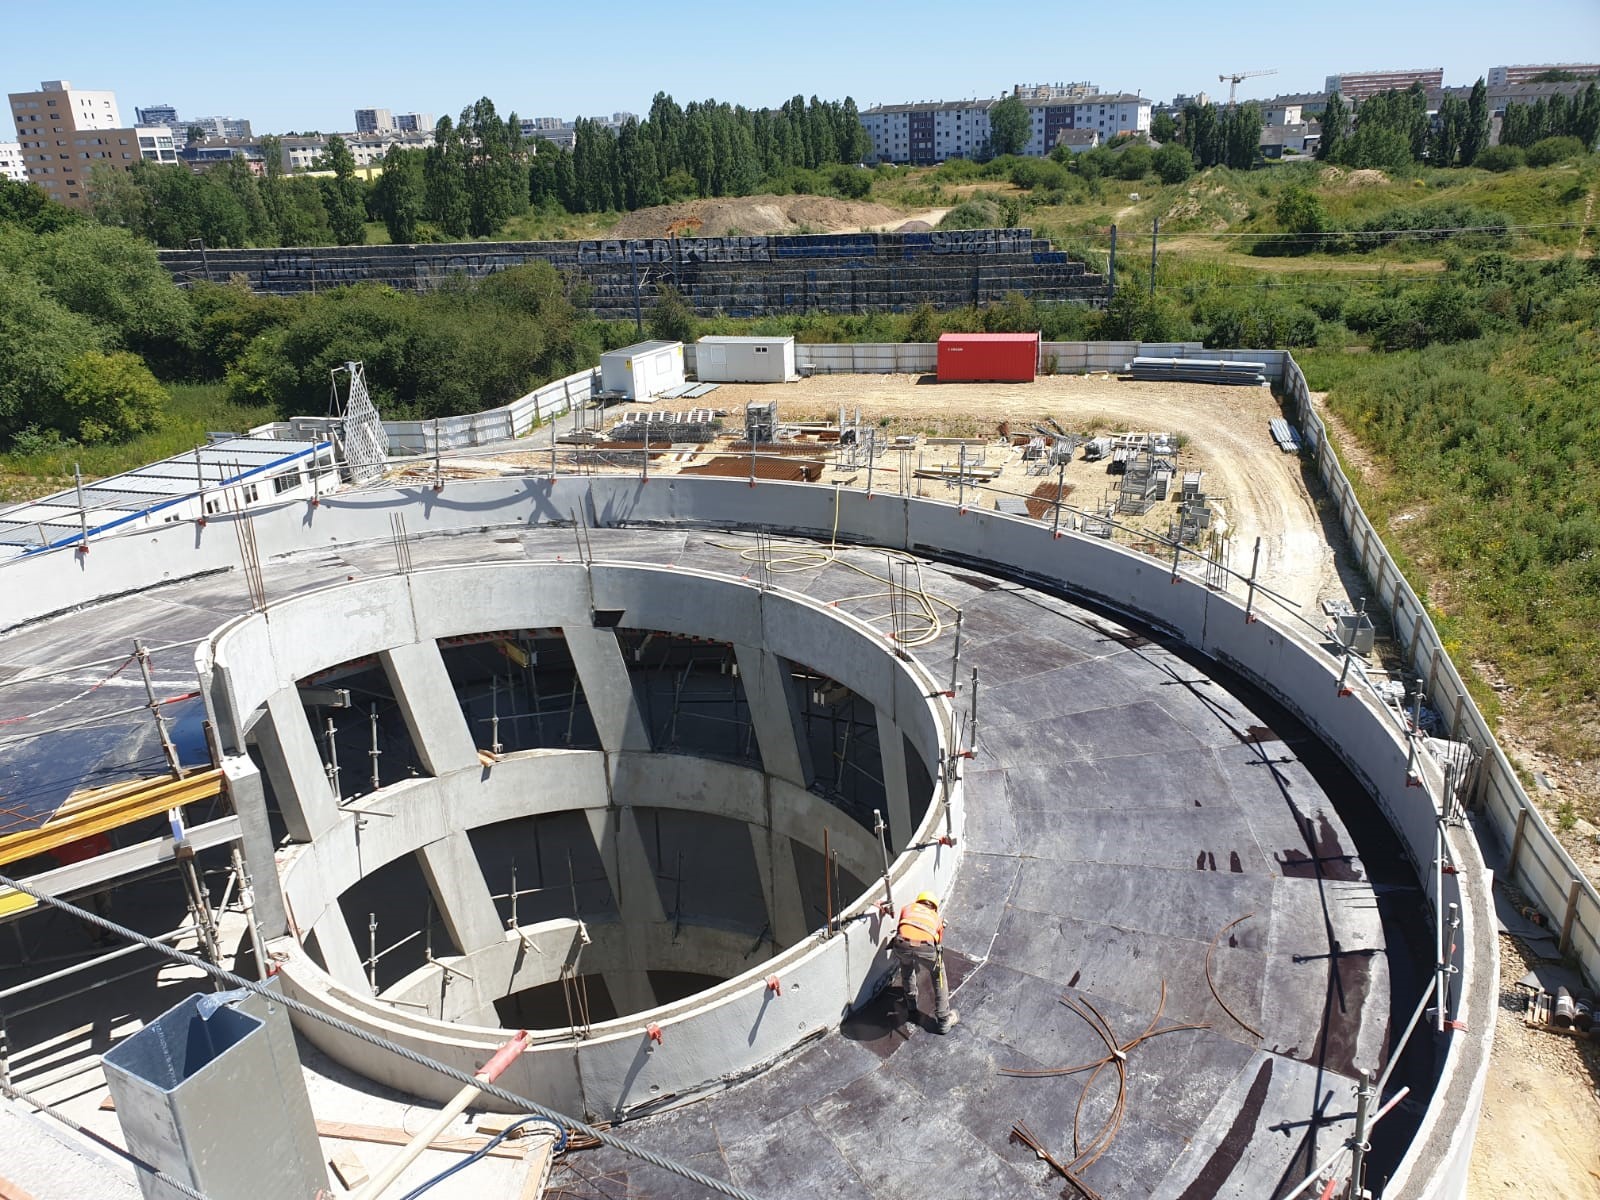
908 955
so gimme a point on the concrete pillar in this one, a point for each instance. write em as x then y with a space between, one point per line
339 952
780 886
633 883
249 800
607 688
779 731
461 893
428 703
897 789
294 767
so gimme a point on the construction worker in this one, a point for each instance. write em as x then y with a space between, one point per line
919 938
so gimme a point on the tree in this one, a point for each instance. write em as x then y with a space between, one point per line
1335 128
495 167
1010 126
1163 128
38 338
24 206
398 198
1134 162
1475 132
1173 163
671 320
342 195
1444 143
445 181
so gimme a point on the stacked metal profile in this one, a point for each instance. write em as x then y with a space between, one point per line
1284 434
688 391
696 425
1197 370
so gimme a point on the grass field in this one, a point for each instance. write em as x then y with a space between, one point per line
193 410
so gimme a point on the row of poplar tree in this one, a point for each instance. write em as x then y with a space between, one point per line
481 171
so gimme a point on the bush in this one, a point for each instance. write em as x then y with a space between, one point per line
1173 163
1551 150
852 183
1499 158
972 214
109 398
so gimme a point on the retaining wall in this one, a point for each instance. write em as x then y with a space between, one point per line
736 276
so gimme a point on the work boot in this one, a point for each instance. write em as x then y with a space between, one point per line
949 1023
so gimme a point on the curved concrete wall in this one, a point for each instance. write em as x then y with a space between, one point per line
252 665
1298 674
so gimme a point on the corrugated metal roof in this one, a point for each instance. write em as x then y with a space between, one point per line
641 348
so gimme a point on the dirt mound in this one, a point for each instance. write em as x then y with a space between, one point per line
758 214
1339 177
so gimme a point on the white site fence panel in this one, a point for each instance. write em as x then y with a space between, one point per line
1538 864
511 420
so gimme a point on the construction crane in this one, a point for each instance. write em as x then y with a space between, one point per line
1233 80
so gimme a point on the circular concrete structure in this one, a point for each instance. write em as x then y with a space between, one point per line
725 838
1171 806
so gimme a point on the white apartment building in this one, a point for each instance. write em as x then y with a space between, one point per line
933 132
11 165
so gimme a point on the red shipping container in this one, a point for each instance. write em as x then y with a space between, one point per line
988 357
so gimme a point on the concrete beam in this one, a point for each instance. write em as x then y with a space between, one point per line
428 703
896 784
780 886
779 729
633 884
606 687
339 952
461 893
249 799
294 768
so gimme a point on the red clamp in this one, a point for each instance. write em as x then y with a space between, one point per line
884 907
83 547
200 522
1413 779
653 1032
1456 1026
946 840
967 754
1344 691
1250 618
1448 869
774 984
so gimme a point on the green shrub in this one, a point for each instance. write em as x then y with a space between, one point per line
1173 163
1551 150
109 398
1499 158
1135 162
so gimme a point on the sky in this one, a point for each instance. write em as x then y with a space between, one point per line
308 64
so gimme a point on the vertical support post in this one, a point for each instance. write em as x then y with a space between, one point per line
972 715
552 452
961 477
1574 890
374 753
1359 1145
167 748
878 828
872 442
1061 477
955 661
1155 234
83 510
646 456
1250 595
438 466
638 311
1516 844
372 952
1177 549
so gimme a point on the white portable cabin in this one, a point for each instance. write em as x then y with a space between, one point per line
744 360
642 371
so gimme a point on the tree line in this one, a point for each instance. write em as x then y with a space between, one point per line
481 172
1222 137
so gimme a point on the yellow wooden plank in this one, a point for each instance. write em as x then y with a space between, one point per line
153 797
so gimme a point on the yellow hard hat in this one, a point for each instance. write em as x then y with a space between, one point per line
929 899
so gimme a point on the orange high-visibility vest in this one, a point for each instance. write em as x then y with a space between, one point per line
919 923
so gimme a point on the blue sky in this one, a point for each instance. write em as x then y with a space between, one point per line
296 64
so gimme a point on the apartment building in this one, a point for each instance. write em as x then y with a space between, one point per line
383 120
932 132
11 166
64 132
1500 76
1356 86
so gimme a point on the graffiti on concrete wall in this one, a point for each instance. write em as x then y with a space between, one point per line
981 241
674 250
474 266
